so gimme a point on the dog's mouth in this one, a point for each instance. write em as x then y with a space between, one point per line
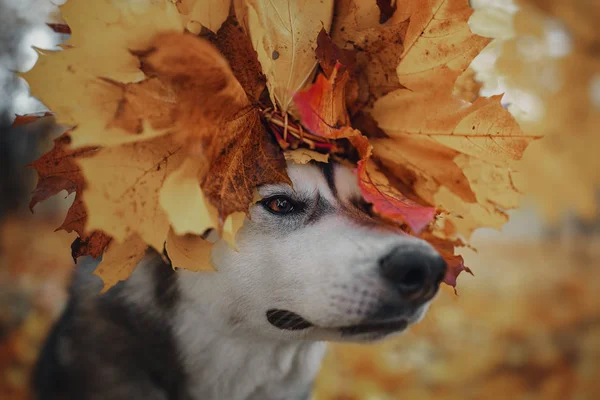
290 321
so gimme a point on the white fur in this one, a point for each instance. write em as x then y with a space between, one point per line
327 272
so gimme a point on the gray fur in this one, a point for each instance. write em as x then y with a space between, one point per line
165 334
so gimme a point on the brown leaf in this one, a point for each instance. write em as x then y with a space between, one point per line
304 156
235 45
124 183
329 55
243 158
387 9
214 120
92 244
58 170
378 49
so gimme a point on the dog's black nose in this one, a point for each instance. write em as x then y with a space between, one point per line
413 272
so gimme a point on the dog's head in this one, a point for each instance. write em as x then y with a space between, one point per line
312 263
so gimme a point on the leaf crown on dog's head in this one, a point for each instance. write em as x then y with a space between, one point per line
177 115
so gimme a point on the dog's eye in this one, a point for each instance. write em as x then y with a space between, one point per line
279 205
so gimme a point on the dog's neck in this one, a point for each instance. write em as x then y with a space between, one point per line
237 365
224 364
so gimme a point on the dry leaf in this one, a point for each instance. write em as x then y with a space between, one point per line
58 170
119 261
232 225
322 107
222 126
191 252
236 171
439 44
482 129
551 73
184 203
284 34
208 13
447 249
124 184
75 92
377 49
304 156
389 202
235 46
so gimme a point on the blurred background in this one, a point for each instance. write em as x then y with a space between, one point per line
526 326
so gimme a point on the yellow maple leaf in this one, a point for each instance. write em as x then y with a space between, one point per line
104 33
124 185
551 74
120 260
183 201
439 45
191 252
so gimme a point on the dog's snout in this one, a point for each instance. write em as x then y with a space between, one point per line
413 272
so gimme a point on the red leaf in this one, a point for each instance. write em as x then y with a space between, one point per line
389 202
60 28
26 119
322 107
446 248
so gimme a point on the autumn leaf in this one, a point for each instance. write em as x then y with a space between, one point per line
233 43
389 202
322 107
236 172
284 34
191 252
120 260
304 156
377 49
482 129
75 93
561 171
124 183
184 203
210 14
447 249
58 170
439 44
330 55
28 118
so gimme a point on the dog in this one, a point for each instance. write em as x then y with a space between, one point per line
312 264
